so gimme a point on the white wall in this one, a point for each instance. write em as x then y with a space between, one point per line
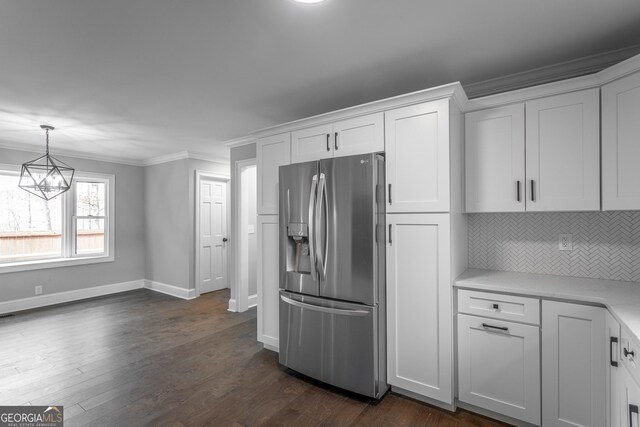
170 225
129 238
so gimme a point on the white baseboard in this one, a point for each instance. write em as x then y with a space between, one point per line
233 305
253 300
68 296
174 291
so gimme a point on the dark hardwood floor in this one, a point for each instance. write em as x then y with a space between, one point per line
143 358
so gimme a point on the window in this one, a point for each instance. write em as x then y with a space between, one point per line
71 229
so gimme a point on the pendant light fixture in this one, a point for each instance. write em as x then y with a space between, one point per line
46 176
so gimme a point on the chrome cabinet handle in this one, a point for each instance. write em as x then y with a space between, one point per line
390 232
390 202
335 140
518 191
613 340
500 328
312 228
328 145
628 353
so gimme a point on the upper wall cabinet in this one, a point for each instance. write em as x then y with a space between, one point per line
621 144
417 150
494 146
563 152
272 152
359 135
561 145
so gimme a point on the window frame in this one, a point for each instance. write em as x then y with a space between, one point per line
68 226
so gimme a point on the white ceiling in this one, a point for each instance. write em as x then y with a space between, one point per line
143 78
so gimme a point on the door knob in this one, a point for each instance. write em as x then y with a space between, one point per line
224 239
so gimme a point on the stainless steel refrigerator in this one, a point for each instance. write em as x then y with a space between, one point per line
332 272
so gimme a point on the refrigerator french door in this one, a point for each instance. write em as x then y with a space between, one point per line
332 277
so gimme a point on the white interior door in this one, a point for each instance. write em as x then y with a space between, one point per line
213 235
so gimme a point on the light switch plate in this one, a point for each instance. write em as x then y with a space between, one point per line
565 242
251 229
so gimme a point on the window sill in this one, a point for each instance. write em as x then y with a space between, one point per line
53 263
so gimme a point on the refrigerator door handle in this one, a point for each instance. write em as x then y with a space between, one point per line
312 228
328 310
320 204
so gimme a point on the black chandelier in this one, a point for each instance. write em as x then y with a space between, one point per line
46 176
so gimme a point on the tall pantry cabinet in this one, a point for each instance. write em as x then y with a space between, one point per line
426 241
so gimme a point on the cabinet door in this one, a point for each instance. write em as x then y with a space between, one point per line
573 365
268 280
620 145
272 152
494 143
499 366
628 400
417 150
419 319
312 144
613 365
360 135
563 152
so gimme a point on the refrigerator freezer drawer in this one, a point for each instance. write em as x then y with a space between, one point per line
331 341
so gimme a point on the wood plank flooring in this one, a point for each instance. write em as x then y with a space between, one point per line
144 358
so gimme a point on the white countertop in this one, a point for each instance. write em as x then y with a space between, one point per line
621 298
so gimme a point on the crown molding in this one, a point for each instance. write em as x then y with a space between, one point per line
239 142
182 155
453 91
551 73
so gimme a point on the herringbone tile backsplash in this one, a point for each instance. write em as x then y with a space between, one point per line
606 245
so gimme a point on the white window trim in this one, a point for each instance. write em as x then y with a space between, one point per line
68 227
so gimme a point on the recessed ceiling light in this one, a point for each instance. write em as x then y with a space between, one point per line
308 1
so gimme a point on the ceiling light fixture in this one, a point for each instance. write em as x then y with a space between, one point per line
46 176
309 1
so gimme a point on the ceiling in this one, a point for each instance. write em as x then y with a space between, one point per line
136 79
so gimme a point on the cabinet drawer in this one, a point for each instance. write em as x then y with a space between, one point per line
630 346
498 306
499 366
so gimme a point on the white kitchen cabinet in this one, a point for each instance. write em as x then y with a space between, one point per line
573 365
628 400
499 366
417 163
357 135
563 152
312 144
494 147
419 313
272 152
268 280
620 145
613 366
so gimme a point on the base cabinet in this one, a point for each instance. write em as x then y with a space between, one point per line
268 280
573 365
499 366
419 317
628 399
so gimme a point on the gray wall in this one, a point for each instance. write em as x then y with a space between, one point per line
606 245
129 239
244 152
170 226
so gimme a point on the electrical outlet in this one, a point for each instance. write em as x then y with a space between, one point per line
565 242
38 290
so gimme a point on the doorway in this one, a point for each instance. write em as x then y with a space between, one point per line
211 229
246 249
